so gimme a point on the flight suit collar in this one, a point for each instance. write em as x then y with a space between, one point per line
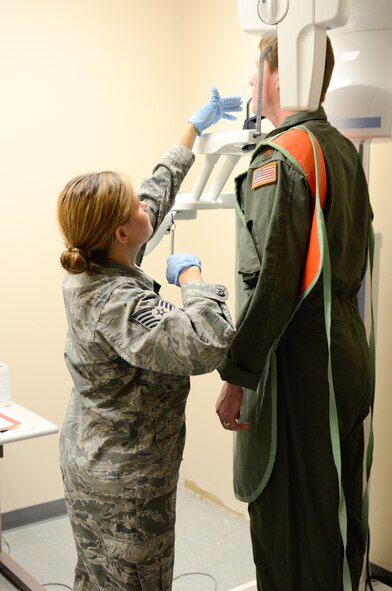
298 119
301 118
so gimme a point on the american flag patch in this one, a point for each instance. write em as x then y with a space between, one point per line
264 175
150 317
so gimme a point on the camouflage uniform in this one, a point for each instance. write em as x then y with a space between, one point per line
130 354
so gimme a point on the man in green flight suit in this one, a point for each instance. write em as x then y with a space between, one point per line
277 390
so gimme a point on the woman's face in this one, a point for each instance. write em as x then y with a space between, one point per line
139 226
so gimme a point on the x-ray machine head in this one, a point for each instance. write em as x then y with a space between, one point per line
359 100
301 29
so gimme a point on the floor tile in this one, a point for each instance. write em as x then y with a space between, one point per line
213 550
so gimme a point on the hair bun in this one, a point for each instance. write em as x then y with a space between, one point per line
75 250
75 260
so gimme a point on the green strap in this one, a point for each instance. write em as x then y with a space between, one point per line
372 349
325 269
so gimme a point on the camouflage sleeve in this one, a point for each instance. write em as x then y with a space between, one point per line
153 334
159 190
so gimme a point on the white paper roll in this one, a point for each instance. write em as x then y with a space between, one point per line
5 393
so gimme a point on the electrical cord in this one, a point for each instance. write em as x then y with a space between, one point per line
8 546
175 578
57 585
6 543
368 582
369 577
199 574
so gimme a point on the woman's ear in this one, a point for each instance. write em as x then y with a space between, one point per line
121 235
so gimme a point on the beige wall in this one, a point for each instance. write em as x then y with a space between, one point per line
87 85
93 84
381 480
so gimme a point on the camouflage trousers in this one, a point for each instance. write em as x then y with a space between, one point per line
122 544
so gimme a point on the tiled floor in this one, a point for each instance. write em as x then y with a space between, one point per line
213 551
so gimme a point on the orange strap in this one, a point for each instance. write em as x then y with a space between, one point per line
298 144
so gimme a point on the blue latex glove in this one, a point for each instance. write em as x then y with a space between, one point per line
178 262
218 108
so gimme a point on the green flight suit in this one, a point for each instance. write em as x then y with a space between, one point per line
283 466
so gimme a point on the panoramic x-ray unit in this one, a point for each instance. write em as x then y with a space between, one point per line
359 101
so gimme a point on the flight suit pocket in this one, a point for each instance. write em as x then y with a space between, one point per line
248 255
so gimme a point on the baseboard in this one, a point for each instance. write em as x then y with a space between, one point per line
381 574
33 514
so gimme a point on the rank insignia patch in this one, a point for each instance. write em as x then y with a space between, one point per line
150 317
264 175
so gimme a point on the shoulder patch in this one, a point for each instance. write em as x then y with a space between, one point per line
266 153
264 175
150 317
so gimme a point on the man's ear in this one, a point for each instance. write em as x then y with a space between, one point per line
121 235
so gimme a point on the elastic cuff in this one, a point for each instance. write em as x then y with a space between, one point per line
207 290
230 372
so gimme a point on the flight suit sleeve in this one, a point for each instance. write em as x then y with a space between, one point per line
153 334
159 190
272 247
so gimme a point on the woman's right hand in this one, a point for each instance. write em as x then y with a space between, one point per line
178 263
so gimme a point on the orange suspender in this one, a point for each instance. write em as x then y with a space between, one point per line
298 144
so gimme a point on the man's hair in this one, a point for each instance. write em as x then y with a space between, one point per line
272 59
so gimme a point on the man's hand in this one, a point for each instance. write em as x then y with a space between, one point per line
228 407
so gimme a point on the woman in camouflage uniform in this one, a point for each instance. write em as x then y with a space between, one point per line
130 354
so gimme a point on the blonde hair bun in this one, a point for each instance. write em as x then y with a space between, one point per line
74 260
